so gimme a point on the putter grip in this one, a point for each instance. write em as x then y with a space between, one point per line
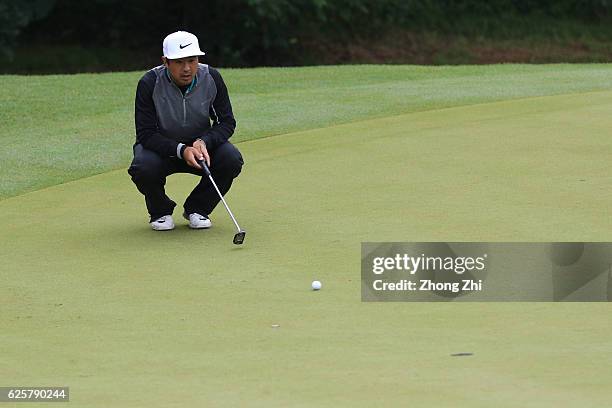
202 163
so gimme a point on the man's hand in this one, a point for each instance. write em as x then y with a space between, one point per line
201 146
191 155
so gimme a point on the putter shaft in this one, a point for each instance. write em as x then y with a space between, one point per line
202 163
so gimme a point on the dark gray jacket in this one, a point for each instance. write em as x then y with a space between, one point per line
167 117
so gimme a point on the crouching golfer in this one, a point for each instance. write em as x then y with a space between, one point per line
183 114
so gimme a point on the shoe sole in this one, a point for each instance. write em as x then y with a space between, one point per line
196 227
162 229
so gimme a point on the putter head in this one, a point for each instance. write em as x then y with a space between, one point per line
239 237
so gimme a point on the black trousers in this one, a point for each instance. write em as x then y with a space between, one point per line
149 172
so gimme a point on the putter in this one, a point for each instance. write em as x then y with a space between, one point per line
239 237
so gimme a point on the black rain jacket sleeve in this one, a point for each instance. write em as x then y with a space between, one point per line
145 116
221 114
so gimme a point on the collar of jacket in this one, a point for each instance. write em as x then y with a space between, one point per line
194 81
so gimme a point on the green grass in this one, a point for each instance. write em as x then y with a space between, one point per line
61 128
128 317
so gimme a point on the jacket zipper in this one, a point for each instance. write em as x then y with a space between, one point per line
184 104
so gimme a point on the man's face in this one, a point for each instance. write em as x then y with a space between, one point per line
182 70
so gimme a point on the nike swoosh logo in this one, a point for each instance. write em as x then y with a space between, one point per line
183 46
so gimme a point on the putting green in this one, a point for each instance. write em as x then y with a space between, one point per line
127 317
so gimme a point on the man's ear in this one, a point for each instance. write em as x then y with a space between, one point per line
164 61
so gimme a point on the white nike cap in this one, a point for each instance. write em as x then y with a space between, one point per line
180 45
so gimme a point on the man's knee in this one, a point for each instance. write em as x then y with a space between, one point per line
229 159
147 166
236 162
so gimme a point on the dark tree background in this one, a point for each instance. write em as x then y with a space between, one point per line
120 34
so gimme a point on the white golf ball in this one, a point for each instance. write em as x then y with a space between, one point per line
316 285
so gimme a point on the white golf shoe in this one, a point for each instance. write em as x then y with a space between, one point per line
164 223
198 221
